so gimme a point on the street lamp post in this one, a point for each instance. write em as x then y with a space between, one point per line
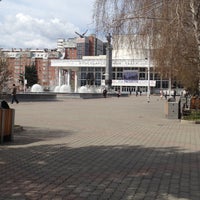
148 71
148 86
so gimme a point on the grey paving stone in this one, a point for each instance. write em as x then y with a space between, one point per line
100 149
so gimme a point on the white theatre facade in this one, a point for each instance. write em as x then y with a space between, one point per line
129 72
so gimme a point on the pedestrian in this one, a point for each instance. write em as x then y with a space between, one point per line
118 94
174 94
14 95
165 95
136 93
105 93
4 105
161 94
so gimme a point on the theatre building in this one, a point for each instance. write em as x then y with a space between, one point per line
131 71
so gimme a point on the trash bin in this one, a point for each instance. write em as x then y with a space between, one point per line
7 117
171 110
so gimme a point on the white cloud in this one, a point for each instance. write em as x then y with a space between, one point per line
38 24
34 32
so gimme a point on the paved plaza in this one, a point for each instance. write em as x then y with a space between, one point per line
105 149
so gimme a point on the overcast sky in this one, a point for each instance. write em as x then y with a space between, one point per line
39 23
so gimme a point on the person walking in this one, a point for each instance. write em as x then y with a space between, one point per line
165 94
174 94
118 93
161 94
105 93
14 95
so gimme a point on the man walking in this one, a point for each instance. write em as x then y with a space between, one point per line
14 94
174 94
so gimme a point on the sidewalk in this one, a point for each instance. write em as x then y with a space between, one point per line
113 148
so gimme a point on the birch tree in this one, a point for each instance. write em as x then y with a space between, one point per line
172 26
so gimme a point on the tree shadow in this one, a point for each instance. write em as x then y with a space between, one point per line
58 171
29 135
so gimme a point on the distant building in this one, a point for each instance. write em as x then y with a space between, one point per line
82 61
18 59
76 48
71 48
129 68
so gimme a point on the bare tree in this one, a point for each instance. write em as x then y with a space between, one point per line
173 29
4 73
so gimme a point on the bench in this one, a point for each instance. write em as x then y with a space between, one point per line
7 118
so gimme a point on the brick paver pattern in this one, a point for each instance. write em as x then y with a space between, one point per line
113 148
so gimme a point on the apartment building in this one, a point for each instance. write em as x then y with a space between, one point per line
18 59
76 48
71 48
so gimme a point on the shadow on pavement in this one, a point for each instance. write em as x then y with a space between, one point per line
96 172
29 135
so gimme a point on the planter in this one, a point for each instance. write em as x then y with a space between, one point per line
7 117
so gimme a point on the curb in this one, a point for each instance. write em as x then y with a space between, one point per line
189 121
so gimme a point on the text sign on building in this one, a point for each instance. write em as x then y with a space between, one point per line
98 63
138 83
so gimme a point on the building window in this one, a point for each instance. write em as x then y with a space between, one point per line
119 76
142 76
157 77
83 82
83 75
119 69
143 69
98 69
83 69
97 75
97 82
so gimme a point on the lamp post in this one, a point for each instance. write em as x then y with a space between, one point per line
148 86
148 77
148 71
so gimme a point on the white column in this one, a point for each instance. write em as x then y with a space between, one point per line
76 82
59 76
65 77
68 77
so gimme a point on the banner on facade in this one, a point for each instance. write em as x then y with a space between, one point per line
130 75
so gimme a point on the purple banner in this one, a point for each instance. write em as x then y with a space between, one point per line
130 75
